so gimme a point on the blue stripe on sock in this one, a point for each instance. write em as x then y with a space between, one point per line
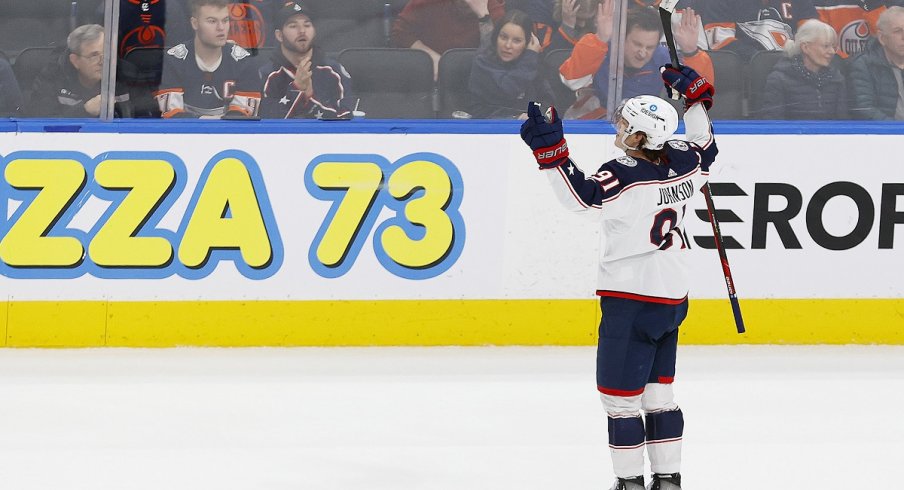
626 431
665 425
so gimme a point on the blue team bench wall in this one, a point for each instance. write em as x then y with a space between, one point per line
419 126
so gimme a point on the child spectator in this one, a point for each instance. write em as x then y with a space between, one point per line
435 26
804 85
506 74
588 66
877 74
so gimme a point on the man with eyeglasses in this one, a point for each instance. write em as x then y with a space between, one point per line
70 86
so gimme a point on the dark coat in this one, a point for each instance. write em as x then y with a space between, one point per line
793 92
332 96
874 90
10 96
58 93
502 89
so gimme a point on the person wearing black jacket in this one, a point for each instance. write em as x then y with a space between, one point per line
300 81
10 96
506 71
70 85
805 84
877 74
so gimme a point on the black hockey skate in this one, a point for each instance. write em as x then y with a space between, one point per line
635 483
665 481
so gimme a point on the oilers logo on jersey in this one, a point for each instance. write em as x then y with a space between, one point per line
853 37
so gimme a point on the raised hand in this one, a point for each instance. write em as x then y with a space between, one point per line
687 32
534 44
480 7
687 83
604 19
545 136
570 13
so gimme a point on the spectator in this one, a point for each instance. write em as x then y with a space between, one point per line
506 71
587 70
435 26
151 24
208 77
249 25
575 18
746 27
145 23
805 85
558 24
10 96
877 74
854 21
300 81
70 85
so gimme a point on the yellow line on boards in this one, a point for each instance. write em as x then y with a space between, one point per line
427 322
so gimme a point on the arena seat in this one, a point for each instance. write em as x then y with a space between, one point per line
758 70
344 24
33 23
454 73
29 64
729 73
391 83
552 60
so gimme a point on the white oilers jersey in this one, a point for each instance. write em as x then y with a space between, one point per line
642 207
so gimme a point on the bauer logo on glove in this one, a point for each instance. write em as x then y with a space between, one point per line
685 82
545 136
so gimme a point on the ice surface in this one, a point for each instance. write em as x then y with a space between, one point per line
433 418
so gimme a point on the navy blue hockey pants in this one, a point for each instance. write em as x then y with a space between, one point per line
638 342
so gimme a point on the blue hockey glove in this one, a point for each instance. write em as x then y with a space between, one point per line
687 83
545 137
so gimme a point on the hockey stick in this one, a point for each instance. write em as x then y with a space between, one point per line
666 8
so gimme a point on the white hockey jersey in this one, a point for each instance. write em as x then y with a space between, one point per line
642 207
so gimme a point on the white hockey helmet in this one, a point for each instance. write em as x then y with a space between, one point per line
650 114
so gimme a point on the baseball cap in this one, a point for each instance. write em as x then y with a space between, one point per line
288 10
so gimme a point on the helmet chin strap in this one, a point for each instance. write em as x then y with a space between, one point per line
624 144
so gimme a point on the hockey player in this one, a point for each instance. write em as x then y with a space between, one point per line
208 77
641 199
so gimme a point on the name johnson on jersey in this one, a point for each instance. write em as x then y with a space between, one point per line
676 193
